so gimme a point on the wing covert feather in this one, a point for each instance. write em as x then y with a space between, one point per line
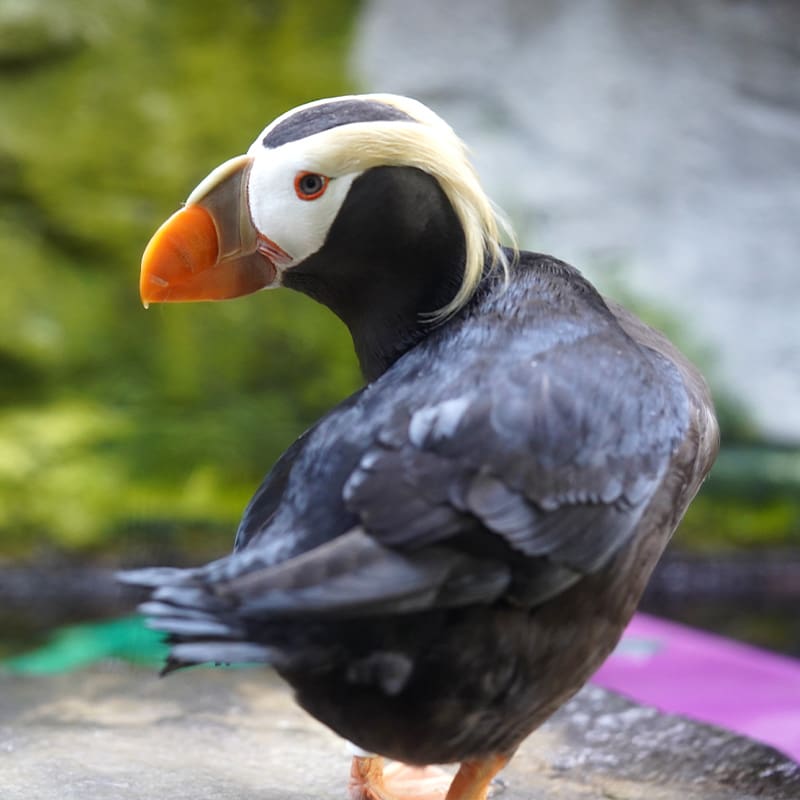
555 459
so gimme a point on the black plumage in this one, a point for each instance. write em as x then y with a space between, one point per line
448 555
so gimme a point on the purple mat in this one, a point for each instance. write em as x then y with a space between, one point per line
708 678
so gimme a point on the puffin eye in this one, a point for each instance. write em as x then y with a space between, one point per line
310 185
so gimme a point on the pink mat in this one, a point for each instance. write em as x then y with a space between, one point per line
685 671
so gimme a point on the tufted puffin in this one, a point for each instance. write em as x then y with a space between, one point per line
449 554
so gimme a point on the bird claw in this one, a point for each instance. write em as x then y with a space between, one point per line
370 781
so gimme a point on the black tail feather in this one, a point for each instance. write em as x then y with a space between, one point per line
200 625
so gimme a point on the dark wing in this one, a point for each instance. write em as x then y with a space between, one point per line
267 499
272 493
555 456
534 475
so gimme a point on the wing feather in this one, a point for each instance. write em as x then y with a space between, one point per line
556 457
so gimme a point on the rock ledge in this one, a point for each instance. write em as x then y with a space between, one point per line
123 734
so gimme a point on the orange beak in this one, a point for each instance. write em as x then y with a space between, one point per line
209 250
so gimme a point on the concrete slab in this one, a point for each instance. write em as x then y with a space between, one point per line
123 734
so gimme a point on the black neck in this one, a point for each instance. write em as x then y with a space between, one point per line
394 254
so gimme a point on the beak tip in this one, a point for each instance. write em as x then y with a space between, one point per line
184 246
207 250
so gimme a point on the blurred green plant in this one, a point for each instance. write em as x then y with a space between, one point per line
111 417
126 639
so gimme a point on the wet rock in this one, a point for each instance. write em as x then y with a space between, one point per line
122 734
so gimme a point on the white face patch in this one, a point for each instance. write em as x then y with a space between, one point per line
343 152
297 226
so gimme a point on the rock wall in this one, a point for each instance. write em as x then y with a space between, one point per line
654 145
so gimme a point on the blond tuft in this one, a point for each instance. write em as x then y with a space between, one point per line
430 144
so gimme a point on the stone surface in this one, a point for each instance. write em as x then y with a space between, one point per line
654 145
122 734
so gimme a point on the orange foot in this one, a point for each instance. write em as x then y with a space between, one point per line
370 781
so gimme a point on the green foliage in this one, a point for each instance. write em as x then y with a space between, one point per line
112 112
751 499
718 523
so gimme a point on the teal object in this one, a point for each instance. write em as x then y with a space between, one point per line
127 639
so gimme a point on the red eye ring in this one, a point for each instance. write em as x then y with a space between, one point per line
310 185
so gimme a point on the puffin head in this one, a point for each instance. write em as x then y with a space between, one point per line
368 203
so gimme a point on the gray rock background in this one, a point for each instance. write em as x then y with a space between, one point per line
654 145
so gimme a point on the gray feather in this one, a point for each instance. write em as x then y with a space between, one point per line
154 576
181 626
226 652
